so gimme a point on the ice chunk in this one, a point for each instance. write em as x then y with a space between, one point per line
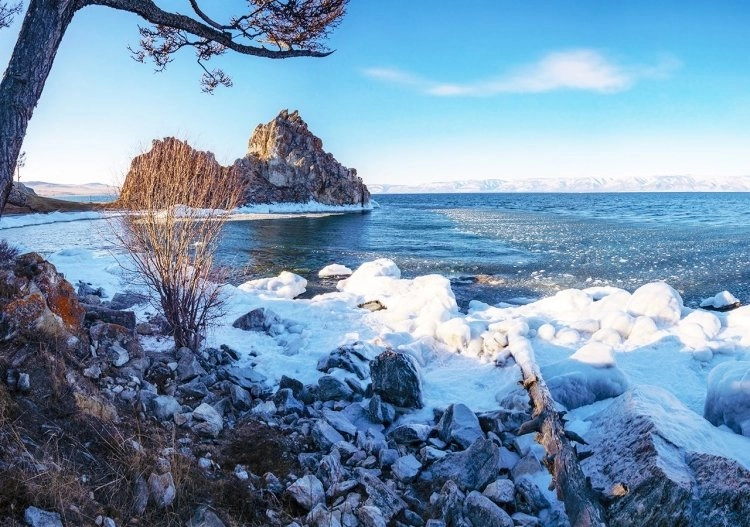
574 383
709 323
596 354
334 270
658 301
720 300
286 285
455 332
728 397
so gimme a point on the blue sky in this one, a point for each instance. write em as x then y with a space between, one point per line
428 90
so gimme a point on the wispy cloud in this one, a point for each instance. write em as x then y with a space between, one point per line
580 69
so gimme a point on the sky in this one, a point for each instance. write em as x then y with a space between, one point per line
427 90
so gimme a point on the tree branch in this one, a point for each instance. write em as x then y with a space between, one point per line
8 12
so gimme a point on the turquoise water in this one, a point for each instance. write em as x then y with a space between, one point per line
494 247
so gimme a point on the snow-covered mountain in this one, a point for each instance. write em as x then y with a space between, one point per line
43 188
582 184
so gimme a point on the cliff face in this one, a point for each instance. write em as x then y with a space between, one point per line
285 163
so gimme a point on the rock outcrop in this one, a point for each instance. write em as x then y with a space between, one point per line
285 163
661 464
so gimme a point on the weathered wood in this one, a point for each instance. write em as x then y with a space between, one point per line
581 503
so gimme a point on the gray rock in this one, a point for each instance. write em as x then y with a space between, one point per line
332 389
195 389
503 492
410 434
204 517
210 423
381 496
189 368
320 516
460 425
127 299
110 315
325 435
339 421
24 382
381 412
161 489
435 523
521 519
529 497
307 491
645 440
40 518
573 383
260 319
406 468
293 384
472 468
371 516
164 407
527 466
118 355
240 397
450 504
140 495
246 377
480 510
330 471
287 403
387 457
396 379
346 358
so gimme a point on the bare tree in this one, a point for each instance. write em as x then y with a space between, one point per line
179 206
273 29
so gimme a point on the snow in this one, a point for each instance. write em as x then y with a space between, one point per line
334 270
590 344
723 299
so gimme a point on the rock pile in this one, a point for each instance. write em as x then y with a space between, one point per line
285 163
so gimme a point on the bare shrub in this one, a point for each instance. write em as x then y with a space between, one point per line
179 200
8 254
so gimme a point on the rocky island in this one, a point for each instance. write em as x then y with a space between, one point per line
285 163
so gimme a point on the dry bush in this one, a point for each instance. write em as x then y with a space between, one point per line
179 200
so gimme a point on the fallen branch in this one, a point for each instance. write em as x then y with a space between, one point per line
581 503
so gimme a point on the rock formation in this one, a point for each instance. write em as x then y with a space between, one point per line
285 163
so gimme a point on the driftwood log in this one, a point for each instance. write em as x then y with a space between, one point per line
581 503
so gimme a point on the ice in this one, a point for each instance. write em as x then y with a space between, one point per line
334 270
10 221
720 300
297 208
286 285
728 398
658 301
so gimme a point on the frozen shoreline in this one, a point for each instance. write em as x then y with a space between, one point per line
606 338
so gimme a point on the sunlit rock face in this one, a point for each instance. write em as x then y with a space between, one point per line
285 163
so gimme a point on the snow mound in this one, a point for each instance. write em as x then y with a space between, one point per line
728 397
334 270
658 301
286 285
573 383
720 300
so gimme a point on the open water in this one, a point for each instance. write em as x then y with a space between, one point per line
496 247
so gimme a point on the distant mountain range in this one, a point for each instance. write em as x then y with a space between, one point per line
583 184
50 190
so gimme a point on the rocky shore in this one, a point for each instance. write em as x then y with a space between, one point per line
104 423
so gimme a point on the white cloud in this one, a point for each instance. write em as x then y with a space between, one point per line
580 69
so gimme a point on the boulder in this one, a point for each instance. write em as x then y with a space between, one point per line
307 491
35 517
480 510
728 397
210 422
460 425
164 407
396 379
671 463
470 469
261 319
380 495
346 358
332 389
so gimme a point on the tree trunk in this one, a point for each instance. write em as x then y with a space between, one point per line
582 506
21 87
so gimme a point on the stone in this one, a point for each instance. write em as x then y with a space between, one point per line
35 517
396 379
381 496
472 468
320 516
293 384
188 368
286 403
645 440
164 407
261 319
527 466
502 491
332 389
387 457
460 425
161 489
410 434
140 495
521 519
346 358
102 313
529 497
480 510
381 412
245 376
195 389
204 517
450 504
339 421
24 383
210 423
406 468
371 516
307 491
240 397
325 435
127 299
330 471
